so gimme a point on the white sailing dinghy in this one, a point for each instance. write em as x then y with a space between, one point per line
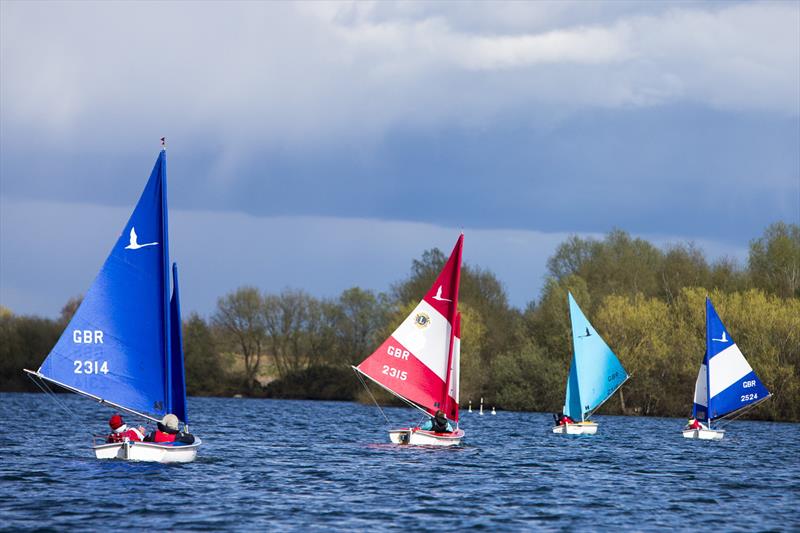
419 362
123 347
726 384
594 376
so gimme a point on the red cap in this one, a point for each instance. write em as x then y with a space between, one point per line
115 421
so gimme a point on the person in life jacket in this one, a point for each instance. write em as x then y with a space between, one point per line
562 420
120 430
694 423
438 423
169 431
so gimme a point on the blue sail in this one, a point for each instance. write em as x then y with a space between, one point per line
176 360
595 373
117 344
731 383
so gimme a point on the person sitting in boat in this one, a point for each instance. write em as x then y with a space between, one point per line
169 431
562 419
694 423
438 424
120 430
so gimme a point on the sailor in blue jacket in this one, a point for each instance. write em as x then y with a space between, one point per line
438 424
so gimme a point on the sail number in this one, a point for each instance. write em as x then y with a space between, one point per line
393 372
90 367
749 397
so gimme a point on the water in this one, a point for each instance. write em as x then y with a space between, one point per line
294 465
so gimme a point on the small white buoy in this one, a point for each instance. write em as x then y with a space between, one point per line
470 406
481 412
493 411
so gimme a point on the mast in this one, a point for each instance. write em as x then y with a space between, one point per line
574 365
708 364
165 279
452 319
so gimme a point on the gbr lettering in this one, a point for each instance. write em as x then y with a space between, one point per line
398 352
87 336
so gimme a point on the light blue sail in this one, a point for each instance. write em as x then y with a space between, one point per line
726 382
117 346
595 373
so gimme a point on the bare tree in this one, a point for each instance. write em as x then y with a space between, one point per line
241 319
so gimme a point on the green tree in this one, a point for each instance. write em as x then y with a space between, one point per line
205 374
775 260
356 319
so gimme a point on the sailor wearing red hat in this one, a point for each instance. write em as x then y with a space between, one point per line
120 430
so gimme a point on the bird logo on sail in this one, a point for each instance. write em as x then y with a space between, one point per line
723 339
438 295
134 243
588 334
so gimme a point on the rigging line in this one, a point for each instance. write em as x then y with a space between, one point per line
49 392
390 391
370 395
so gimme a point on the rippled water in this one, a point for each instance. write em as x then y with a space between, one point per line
293 465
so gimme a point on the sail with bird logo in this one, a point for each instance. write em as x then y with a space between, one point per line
420 361
123 345
726 383
595 373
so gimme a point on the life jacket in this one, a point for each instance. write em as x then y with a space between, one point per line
120 436
160 436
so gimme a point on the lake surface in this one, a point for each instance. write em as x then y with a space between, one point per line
321 466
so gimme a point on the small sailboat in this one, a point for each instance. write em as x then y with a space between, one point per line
595 374
419 362
726 384
123 347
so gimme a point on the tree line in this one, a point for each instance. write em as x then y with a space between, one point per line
646 302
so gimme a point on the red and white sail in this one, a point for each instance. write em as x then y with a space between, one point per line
420 360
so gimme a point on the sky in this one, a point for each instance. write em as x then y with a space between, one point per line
326 145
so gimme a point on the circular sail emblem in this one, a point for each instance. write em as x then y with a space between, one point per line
422 320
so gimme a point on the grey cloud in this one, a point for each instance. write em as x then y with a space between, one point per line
52 251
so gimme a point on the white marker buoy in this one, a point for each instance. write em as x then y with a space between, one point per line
493 411
470 406
481 412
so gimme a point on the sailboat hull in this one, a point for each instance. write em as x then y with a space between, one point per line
421 437
148 452
580 428
704 434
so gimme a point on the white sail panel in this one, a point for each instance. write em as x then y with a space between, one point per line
425 333
727 367
455 376
700 388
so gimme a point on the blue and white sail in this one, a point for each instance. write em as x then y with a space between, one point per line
726 382
118 347
595 373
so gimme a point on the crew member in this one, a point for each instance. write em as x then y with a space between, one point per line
120 430
169 431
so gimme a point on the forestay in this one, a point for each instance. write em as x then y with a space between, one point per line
118 345
595 372
420 361
726 382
